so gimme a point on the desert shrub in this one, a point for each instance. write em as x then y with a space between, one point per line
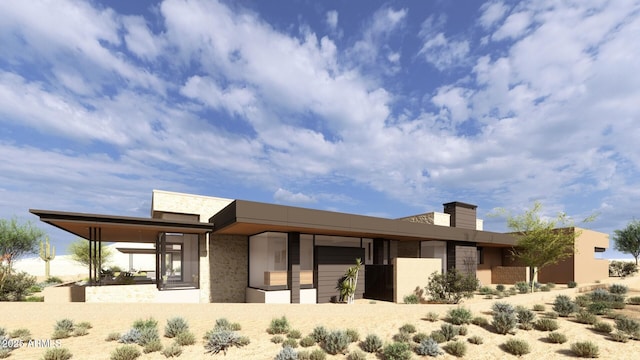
356 355
336 342
417 338
411 299
57 354
525 318
600 295
60 334
319 333
432 317
585 349
456 348
84 324
304 355
618 305
292 343
279 326
463 330
500 287
582 300
572 284
603 327
22 334
485 290
147 335
397 351
125 352
428 347
307 341
546 324
371 343
287 353
224 324
222 340
64 324
618 289
185 338
564 306
353 335
277 339
149 323
449 331
451 287
516 347
551 314
476 340
402 337
585 317
622 268
619 337
557 338
294 334
522 287
628 326
550 285
545 288
480 321
80 331
438 336
175 326
408 328
53 280
317 354
635 300
16 286
459 316
114 336
503 322
152 346
502 307
130 337
173 350
5 352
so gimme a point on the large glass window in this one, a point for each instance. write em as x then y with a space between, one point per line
268 260
178 261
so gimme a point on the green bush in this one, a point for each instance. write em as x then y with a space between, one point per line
292 343
402 337
545 288
619 337
397 351
456 348
173 350
417 338
371 343
451 287
356 355
80 331
84 324
319 333
585 349
21 333
546 324
438 336
287 353
130 337
459 316
485 290
504 322
462 330
428 347
294 334
622 268
502 307
57 354
551 314
185 338
34 299
564 306
480 321
222 340
304 355
126 352
449 331
525 318
53 280
277 339
603 327
317 354
585 317
114 336
5 353
572 284
475 339
336 342
582 300
149 323
60 334
64 324
635 300
522 287
599 308
516 347
557 338
16 286
224 324
432 317
411 299
500 287
550 285
152 346
175 326
618 289
279 326
629 327
408 328
147 335
307 341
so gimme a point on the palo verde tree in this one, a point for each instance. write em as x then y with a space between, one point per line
79 251
627 240
542 241
17 239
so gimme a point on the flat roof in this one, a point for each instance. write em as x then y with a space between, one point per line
249 218
118 228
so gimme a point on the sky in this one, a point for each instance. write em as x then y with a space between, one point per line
376 108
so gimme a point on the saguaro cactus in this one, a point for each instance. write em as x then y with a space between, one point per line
47 253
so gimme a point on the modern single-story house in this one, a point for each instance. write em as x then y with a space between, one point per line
210 249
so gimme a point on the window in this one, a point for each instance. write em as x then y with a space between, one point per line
268 261
480 256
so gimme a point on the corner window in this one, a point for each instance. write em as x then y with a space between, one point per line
268 261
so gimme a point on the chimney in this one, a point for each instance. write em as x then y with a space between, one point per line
462 215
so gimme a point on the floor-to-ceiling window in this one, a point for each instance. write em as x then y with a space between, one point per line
178 262
268 261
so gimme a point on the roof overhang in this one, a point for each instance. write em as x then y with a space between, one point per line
249 218
118 228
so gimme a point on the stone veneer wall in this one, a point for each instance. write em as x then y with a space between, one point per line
229 266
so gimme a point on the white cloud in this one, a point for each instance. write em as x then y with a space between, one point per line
492 12
514 26
437 49
139 38
282 195
332 19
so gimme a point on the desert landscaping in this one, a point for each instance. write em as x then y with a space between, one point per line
366 317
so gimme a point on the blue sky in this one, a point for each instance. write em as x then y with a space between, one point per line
377 108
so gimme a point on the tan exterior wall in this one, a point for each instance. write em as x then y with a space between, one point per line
147 293
508 275
63 294
409 275
228 256
492 257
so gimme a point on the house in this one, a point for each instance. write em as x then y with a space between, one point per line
210 249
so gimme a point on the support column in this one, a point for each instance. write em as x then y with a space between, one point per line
293 267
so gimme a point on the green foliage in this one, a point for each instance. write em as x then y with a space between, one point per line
185 338
500 287
463 330
603 327
545 288
502 307
279 326
57 354
317 354
175 326
353 335
628 326
476 340
292 343
438 336
294 334
504 322
585 317
147 335
34 299
14 286
585 349
173 350
402 337
17 239
619 337
287 353
557 338
538 307
277 339
525 318
224 324
60 334
546 324
550 285
149 323
79 251
319 333
114 336
627 240
125 352
599 307
449 331
622 268
64 324
432 316
485 290
417 338
356 355
459 316
522 287
411 299
456 348
428 347
397 351
84 324
152 346
582 300
218 341
480 321
635 300
551 314
516 347
21 333
307 341
572 284
408 328
80 331
451 287
336 342
348 283
371 343
618 289
130 337
564 306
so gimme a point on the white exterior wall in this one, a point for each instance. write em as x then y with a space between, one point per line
479 224
441 219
